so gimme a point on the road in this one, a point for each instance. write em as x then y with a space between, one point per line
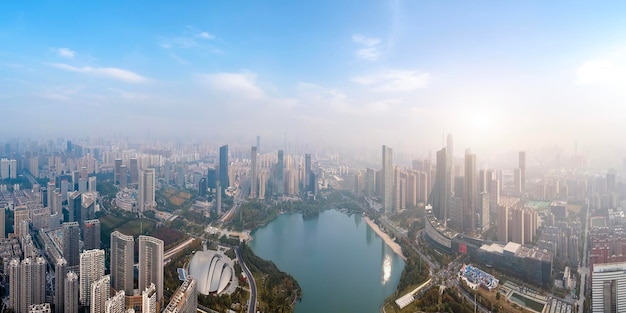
171 252
236 201
251 282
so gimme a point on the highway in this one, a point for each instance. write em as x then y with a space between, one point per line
251 282
236 201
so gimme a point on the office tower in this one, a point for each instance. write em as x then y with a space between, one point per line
91 234
151 264
117 172
116 304
122 258
2 221
455 213
100 292
223 177
503 223
149 301
60 271
202 187
254 175
218 200
280 175
185 299
212 178
608 287
439 194
71 238
91 269
387 181
307 173
450 164
517 182
123 176
522 167
483 206
71 293
82 185
145 193
133 171
470 193
20 214
91 184
258 143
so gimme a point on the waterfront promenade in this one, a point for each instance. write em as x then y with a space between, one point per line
388 240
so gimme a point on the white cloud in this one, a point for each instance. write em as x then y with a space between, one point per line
205 35
242 84
394 81
370 47
64 52
601 71
109 72
54 96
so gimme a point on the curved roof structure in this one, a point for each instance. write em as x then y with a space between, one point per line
211 270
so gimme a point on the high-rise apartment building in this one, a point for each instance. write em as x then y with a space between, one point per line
148 300
470 193
387 172
100 293
185 299
223 176
60 272
71 292
91 269
254 174
151 264
20 213
307 173
27 282
91 234
503 223
117 303
450 164
71 248
280 175
122 259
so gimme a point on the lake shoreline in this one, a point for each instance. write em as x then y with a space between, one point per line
386 238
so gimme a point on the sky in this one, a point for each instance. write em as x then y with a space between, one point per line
499 75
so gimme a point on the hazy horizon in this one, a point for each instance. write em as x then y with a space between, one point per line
500 77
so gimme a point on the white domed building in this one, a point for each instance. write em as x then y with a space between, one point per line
213 271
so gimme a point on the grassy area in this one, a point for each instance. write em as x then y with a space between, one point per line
125 223
171 237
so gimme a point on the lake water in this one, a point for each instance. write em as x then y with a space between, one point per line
338 260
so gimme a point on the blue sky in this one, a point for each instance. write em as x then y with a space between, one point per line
503 74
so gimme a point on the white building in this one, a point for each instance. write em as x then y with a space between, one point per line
91 269
608 288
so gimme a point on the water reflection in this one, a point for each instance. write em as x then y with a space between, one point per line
386 269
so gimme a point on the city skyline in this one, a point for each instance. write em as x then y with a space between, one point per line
506 76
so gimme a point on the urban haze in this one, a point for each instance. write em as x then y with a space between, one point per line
322 156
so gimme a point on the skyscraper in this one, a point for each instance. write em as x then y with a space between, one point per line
224 167
60 271
122 258
307 172
71 248
212 178
470 193
450 163
20 214
27 282
100 292
517 181
148 300
133 171
280 175
151 264
185 299
439 195
522 167
254 175
258 143
117 171
387 179
503 223
146 193
91 269
71 293
117 303
91 234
